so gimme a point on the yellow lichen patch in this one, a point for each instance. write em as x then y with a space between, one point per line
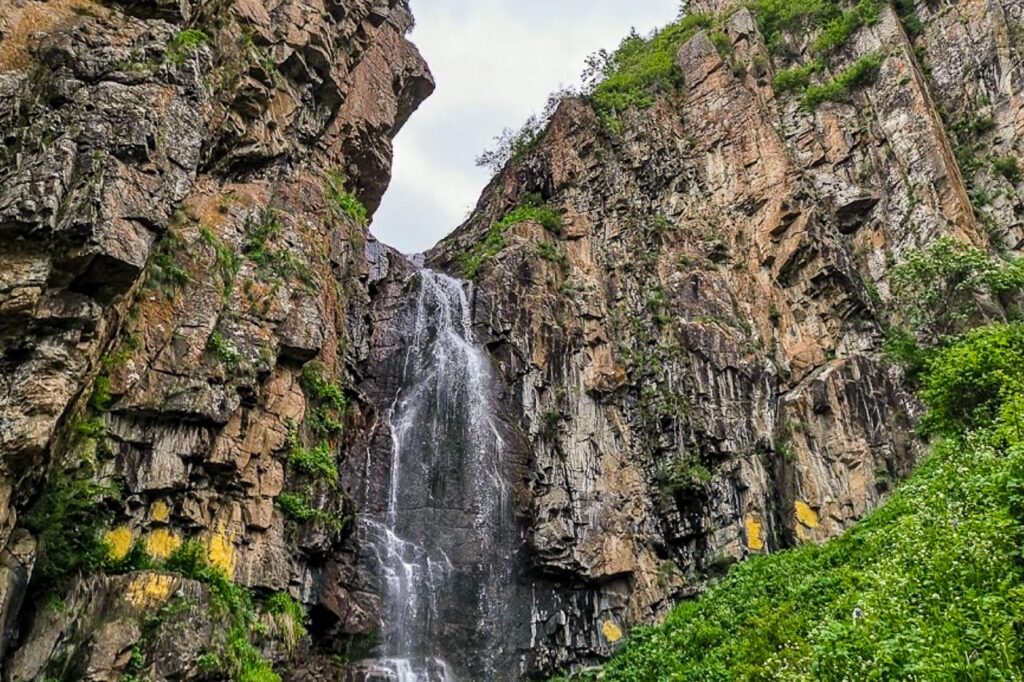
160 512
119 542
612 632
805 515
149 589
161 542
220 550
754 529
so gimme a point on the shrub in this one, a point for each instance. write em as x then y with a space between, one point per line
968 382
796 78
183 44
1008 167
777 17
861 72
839 29
344 202
641 69
937 288
68 522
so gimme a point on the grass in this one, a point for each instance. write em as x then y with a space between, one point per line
531 209
929 587
344 202
642 68
861 72
183 44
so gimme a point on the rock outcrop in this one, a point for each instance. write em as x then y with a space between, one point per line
183 298
200 342
695 357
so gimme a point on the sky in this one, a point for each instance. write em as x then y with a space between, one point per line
495 63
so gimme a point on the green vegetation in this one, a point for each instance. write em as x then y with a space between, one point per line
238 658
68 521
224 350
550 252
640 70
938 288
326 398
261 228
165 274
513 145
344 202
681 474
531 209
318 462
861 72
928 587
797 78
183 44
100 399
778 19
1009 168
297 507
228 262
840 28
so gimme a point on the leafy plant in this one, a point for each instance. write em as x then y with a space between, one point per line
937 288
861 72
318 462
344 202
1009 168
183 44
68 521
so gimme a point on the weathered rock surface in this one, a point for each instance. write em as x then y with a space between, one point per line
690 372
696 360
175 261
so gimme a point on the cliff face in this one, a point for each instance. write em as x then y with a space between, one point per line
185 276
694 357
201 344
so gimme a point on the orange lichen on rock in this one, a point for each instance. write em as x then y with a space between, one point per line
20 26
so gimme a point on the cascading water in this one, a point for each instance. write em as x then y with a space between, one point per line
444 546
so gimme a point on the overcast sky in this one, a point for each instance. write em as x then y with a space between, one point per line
495 62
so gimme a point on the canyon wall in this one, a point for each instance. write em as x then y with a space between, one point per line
201 343
186 266
695 355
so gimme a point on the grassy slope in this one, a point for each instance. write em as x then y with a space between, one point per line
937 572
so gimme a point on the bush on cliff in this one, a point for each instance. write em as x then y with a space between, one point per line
929 587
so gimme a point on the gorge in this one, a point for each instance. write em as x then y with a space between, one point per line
680 335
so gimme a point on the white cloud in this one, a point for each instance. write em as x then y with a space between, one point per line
495 62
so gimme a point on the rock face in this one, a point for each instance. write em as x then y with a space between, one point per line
695 359
185 275
197 330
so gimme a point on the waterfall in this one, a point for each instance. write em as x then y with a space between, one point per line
444 546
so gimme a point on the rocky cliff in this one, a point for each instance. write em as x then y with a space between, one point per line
184 192
692 349
684 297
